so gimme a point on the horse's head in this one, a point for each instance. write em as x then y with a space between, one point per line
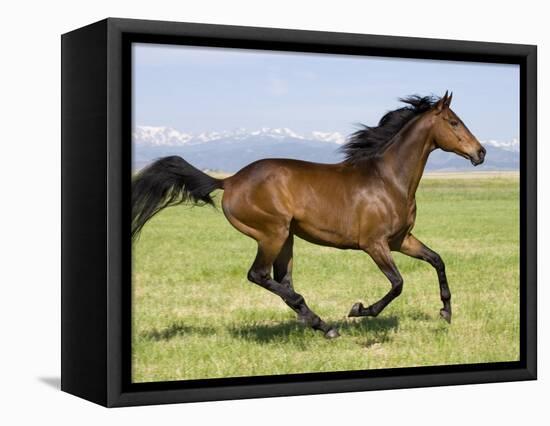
451 134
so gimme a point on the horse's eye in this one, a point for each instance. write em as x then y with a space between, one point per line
453 123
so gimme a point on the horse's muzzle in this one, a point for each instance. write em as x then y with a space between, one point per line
479 158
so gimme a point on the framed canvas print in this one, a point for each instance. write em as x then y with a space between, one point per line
253 212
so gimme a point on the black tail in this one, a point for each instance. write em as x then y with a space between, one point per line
167 182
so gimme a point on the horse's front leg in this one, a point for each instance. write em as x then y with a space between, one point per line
380 253
415 248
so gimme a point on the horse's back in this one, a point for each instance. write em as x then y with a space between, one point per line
266 179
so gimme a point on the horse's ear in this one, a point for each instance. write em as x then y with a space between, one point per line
441 103
448 101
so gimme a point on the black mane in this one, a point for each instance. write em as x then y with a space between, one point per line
369 142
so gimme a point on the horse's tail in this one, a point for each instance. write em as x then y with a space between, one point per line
167 182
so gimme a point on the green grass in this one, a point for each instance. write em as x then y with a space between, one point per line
196 316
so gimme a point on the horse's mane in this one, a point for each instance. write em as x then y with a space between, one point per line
369 142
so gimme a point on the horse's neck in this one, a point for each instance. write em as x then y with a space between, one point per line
406 158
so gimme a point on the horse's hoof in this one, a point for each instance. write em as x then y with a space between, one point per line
356 310
332 334
445 315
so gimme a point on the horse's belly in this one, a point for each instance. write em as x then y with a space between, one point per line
325 236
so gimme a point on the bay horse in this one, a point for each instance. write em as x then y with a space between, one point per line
367 202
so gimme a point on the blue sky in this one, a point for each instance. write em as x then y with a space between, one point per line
195 89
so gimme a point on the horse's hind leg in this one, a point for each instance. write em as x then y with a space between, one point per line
415 248
282 268
381 255
268 251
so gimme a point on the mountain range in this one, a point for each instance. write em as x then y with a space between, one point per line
229 151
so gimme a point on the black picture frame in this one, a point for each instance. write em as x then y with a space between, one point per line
96 144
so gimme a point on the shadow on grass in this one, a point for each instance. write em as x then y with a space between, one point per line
417 315
378 329
177 330
375 330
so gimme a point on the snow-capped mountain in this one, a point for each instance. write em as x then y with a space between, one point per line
233 149
512 146
160 136
167 136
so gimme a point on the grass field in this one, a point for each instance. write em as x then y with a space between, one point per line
196 316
